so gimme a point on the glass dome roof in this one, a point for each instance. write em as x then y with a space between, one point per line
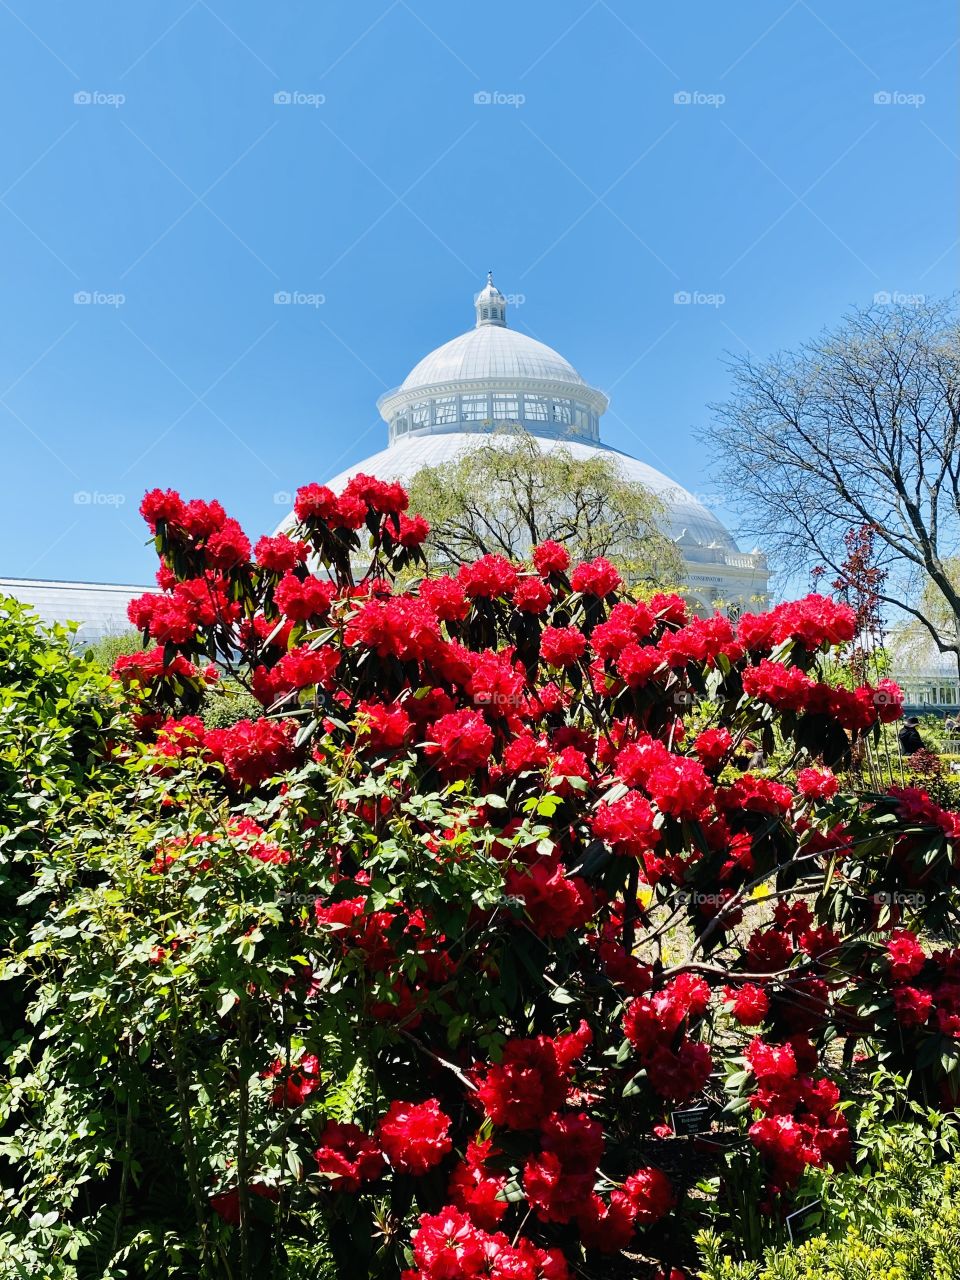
491 351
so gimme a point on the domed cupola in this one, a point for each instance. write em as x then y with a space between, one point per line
490 303
493 378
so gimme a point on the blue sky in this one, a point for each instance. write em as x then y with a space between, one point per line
145 164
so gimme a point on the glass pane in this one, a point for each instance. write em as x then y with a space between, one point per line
445 409
562 411
474 408
420 413
535 408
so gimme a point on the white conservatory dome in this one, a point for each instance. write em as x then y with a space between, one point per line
491 350
493 377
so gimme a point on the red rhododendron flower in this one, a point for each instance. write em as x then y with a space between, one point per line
384 496
448 1246
415 1135
489 576
912 1006
280 553
303 598
562 646
161 506
412 531
226 1204
678 1074
608 1228
297 1084
446 597
531 1080
749 1004
550 557
348 1156
637 664
554 1193
315 501
305 667
651 1194
595 577
817 784
554 902
626 824
405 629
772 1062
713 747
475 1190
200 519
228 546
906 955
252 750
460 742
532 595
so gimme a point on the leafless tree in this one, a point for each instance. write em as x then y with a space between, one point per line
860 426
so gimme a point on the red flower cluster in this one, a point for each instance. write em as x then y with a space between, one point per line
448 1246
348 1156
657 1025
800 1124
414 1135
531 1080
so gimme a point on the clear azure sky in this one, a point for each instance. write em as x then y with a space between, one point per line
149 166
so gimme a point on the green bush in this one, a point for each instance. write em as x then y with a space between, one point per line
59 720
895 1217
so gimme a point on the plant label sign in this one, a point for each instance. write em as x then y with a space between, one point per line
691 1120
802 1220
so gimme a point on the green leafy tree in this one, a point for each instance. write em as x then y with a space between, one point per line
507 493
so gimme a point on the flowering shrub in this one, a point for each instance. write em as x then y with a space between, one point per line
420 963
